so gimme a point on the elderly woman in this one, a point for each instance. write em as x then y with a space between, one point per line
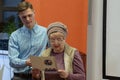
68 59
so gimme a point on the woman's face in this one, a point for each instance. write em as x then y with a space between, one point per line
57 41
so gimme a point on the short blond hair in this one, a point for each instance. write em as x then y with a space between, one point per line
24 5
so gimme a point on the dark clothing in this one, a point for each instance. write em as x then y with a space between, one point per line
22 76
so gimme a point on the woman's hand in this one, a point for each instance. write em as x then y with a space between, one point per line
63 73
36 74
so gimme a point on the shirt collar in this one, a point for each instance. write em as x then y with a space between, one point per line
34 29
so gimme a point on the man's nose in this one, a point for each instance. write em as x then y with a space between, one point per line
27 18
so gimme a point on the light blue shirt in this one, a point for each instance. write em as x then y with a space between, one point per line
25 42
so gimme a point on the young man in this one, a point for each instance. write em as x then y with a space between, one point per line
30 39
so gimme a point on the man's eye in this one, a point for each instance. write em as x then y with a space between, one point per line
24 17
30 15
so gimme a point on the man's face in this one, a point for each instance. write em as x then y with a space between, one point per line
27 17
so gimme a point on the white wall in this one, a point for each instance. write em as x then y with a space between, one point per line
112 38
94 41
7 70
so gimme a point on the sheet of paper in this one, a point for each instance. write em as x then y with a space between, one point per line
43 63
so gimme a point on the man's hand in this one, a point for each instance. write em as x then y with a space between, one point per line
28 62
63 73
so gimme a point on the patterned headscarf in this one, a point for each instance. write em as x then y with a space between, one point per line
57 27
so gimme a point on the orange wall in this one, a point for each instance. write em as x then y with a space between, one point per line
73 13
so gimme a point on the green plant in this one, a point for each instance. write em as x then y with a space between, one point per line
11 25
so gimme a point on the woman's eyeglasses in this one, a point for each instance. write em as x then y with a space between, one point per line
56 39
